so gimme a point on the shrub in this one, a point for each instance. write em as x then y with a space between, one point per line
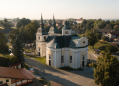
8 59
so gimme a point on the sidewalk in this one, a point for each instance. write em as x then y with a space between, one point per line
95 55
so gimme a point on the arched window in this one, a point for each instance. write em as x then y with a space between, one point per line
49 57
83 58
84 42
39 37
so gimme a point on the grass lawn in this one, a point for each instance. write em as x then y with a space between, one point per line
44 82
40 59
80 35
96 46
11 28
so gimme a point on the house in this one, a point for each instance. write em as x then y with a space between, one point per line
111 34
79 20
61 49
15 77
16 65
58 24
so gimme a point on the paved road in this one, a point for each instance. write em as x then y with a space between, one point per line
66 78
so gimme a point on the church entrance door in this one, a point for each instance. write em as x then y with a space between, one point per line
39 53
82 63
49 62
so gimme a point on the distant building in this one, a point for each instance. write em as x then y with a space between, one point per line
111 34
79 21
61 49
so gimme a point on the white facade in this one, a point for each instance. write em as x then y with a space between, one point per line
76 61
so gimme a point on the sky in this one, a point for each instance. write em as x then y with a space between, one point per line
62 9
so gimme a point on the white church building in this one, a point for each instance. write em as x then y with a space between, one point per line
61 49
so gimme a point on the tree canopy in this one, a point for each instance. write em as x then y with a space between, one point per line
106 70
18 50
92 39
3 42
5 24
23 22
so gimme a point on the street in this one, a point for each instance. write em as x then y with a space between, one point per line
66 78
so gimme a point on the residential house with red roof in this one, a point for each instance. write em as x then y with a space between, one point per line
15 77
79 20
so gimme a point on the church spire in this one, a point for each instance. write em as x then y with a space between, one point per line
41 24
54 24
41 19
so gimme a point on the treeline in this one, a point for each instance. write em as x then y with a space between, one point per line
97 24
26 29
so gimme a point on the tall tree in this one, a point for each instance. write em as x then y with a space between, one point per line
3 42
5 24
18 50
106 70
23 22
92 39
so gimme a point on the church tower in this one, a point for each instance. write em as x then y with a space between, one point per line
53 29
66 30
41 36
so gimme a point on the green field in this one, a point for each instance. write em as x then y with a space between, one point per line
40 59
96 46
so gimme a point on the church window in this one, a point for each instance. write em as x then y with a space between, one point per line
84 42
39 37
7 80
44 37
70 59
49 57
39 49
62 59
83 58
1 82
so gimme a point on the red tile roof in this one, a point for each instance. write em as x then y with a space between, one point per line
79 19
6 72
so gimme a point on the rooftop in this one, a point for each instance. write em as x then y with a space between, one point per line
6 72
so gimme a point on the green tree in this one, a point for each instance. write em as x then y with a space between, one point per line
106 70
104 38
111 49
23 22
12 34
3 43
5 24
92 39
18 50
116 27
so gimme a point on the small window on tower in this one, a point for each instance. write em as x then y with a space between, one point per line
39 37
84 42
44 37
7 80
49 57
39 49
1 82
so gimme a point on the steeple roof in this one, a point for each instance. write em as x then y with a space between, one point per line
66 25
42 30
53 29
